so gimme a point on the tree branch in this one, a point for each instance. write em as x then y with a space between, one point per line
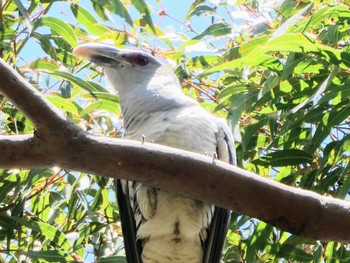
298 211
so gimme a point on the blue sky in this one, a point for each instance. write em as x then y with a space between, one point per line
176 9
172 23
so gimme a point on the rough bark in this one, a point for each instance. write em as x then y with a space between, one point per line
58 142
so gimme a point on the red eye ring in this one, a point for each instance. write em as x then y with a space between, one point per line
141 60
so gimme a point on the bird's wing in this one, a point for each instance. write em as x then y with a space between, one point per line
133 247
221 219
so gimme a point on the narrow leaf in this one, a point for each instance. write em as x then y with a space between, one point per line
61 28
54 235
102 105
112 259
201 10
318 92
87 20
142 7
292 21
48 256
216 30
89 86
44 64
63 104
24 13
285 157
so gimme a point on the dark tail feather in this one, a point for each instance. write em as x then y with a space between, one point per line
216 235
132 246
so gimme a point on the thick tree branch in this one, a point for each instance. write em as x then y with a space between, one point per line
298 211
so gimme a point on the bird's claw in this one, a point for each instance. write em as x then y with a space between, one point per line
215 157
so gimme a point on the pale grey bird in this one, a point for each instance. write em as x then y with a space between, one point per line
161 226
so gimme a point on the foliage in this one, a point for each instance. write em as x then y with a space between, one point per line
279 74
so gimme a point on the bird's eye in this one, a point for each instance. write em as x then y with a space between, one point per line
141 60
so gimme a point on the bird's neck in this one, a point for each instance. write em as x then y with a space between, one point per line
141 104
143 94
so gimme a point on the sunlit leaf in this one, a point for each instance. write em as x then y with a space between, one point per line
108 106
46 45
216 30
89 86
44 64
112 259
201 10
142 7
48 256
286 157
103 96
318 92
292 21
116 7
88 21
63 29
63 104
24 13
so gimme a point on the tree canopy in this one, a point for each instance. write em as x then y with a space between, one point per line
277 70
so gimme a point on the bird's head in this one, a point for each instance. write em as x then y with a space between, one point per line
127 68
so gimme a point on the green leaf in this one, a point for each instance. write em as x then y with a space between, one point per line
24 13
345 57
44 64
322 88
201 10
296 42
142 7
87 20
238 103
89 86
289 251
63 104
54 235
48 256
46 45
35 175
292 21
329 120
261 60
109 106
48 231
285 157
202 61
193 6
255 44
257 241
232 90
112 259
61 28
254 52
117 7
5 187
216 30
102 96
324 14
